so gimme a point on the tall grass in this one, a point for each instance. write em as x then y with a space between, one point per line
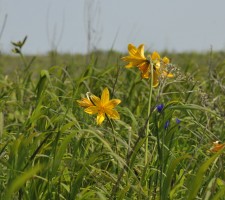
51 149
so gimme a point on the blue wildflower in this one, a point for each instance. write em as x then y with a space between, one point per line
167 124
160 107
177 121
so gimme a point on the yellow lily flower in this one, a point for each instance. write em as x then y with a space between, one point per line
136 56
159 68
102 107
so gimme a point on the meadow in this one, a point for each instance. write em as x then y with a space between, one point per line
166 143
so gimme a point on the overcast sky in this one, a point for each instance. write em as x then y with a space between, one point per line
178 25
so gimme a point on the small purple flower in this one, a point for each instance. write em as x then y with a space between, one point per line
160 107
167 124
177 121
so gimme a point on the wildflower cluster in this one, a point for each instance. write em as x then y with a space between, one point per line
159 65
160 108
104 107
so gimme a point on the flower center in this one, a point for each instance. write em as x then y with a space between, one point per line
101 108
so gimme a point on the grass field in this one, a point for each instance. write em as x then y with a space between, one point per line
162 147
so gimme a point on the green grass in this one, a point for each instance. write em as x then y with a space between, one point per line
51 149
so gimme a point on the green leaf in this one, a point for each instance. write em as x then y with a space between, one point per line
1 124
41 86
196 182
60 152
220 194
19 181
169 175
194 107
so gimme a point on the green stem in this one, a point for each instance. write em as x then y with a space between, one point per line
23 60
162 164
149 112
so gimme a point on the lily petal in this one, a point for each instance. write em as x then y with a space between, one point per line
217 147
96 100
134 60
166 60
169 75
91 110
112 103
155 82
155 79
166 74
112 113
105 96
100 118
145 69
85 103
130 65
132 49
140 51
155 56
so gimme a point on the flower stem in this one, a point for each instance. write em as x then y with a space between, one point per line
149 112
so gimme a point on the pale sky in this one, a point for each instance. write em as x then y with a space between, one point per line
175 25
